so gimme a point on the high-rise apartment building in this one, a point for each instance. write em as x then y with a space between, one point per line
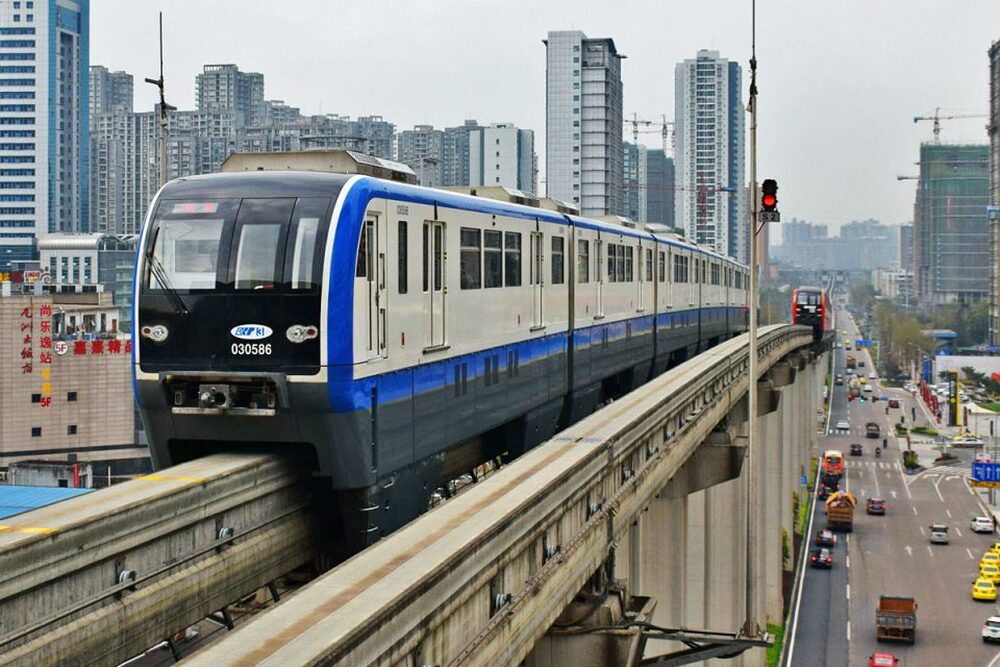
421 149
710 154
455 153
583 122
906 247
659 188
994 132
224 88
45 51
635 181
502 154
951 233
110 91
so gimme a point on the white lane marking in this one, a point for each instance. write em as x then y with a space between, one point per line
929 550
893 492
847 562
937 488
847 539
948 512
922 531
909 550
914 511
849 636
958 531
968 551
994 660
906 487
848 591
950 477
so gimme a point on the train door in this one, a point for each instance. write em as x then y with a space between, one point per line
599 274
434 283
536 280
373 254
640 276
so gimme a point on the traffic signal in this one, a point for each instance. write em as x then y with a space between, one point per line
769 195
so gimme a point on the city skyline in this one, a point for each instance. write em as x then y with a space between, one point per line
842 81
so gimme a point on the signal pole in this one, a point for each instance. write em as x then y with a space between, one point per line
164 108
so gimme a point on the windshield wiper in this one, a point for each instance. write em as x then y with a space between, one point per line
160 274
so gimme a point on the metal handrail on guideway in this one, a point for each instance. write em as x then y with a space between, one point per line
476 562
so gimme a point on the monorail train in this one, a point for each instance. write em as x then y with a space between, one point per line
811 307
393 336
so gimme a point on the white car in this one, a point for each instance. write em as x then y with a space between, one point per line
967 440
842 425
991 629
867 388
873 375
982 524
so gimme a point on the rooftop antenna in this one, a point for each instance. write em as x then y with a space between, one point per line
164 108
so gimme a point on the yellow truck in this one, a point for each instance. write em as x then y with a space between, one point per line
840 511
851 361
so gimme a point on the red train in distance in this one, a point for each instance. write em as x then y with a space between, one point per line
811 307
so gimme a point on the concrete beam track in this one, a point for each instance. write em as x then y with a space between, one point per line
480 579
100 578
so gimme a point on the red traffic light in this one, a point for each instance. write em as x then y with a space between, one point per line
769 201
769 194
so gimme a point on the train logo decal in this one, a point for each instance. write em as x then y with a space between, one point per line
251 331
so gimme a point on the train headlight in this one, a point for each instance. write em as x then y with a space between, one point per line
157 333
298 333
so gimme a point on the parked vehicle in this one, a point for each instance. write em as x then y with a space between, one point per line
896 618
983 588
939 533
840 511
981 524
991 572
872 430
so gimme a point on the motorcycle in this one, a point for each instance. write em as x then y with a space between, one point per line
878 453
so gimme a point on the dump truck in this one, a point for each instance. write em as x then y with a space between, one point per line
854 388
872 430
852 362
896 619
840 511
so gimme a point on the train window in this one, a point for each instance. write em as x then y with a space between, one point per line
582 261
402 255
426 250
470 260
557 260
361 267
612 262
260 232
438 257
301 271
625 267
492 259
661 266
512 259
649 264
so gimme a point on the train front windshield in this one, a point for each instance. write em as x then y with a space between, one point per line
227 279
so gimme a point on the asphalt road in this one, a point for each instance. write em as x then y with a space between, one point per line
891 554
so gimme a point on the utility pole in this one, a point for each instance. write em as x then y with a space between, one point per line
750 627
164 108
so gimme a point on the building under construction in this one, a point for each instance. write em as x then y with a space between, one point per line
951 232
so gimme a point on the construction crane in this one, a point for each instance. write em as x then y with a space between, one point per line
663 129
937 118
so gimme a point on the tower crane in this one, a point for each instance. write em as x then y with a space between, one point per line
661 127
937 118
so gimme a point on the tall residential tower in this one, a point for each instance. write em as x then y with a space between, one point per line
710 154
44 142
583 122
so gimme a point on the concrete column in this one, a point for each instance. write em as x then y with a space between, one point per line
696 562
663 562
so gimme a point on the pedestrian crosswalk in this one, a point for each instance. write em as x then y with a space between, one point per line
882 465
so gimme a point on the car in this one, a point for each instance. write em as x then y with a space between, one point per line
989 557
967 440
984 589
856 449
867 388
861 364
939 533
995 548
893 402
839 381
872 375
875 506
843 425
824 492
821 558
991 572
849 348
862 379
882 660
991 629
983 457
981 524
825 538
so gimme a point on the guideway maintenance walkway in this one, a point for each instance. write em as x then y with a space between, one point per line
480 579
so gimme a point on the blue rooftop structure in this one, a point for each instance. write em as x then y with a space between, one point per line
17 499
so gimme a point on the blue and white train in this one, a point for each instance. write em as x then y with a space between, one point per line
391 336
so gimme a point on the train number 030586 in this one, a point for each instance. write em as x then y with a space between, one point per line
251 348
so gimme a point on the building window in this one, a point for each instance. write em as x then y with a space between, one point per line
71 429
36 398
36 431
71 396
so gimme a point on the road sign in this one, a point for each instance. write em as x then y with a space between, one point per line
804 481
984 485
986 472
770 216
862 343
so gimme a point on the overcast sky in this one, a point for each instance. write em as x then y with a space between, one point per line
839 82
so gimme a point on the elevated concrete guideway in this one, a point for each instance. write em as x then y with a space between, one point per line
645 495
